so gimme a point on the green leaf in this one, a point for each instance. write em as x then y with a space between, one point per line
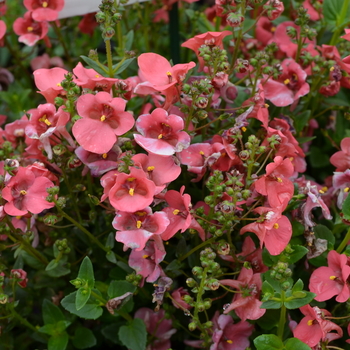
268 342
346 208
48 329
267 288
83 295
111 257
99 68
299 302
86 272
129 39
118 288
32 262
324 232
271 304
298 286
298 228
110 331
295 343
58 342
51 265
134 335
301 120
298 252
51 313
122 67
60 269
110 240
83 338
92 309
332 11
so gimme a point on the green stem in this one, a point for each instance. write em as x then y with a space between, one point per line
340 22
344 242
203 244
26 246
88 233
282 321
24 321
61 40
109 58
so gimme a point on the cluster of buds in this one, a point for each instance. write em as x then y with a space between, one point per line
215 59
108 17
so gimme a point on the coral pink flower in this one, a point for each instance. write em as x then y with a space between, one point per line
161 170
135 229
274 9
179 214
275 184
246 303
158 327
314 15
209 39
347 34
26 193
89 79
29 30
48 81
161 133
274 230
146 262
88 24
21 276
159 76
230 336
289 87
16 130
2 32
329 281
178 296
44 10
253 255
314 327
99 163
264 30
45 123
103 118
44 61
131 192
341 159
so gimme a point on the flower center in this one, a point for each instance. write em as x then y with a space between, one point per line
150 168
176 211
23 192
44 119
138 224
276 226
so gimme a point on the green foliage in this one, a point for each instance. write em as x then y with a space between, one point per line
134 335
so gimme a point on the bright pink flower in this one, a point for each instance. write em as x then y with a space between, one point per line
341 159
21 276
146 262
314 15
158 327
314 327
89 79
229 336
210 39
161 170
48 81
16 130
159 76
2 32
136 228
103 118
273 229
347 34
26 193
131 192
179 214
290 86
329 281
44 10
246 303
29 30
178 296
275 184
285 43
161 133
44 61
341 183
46 124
